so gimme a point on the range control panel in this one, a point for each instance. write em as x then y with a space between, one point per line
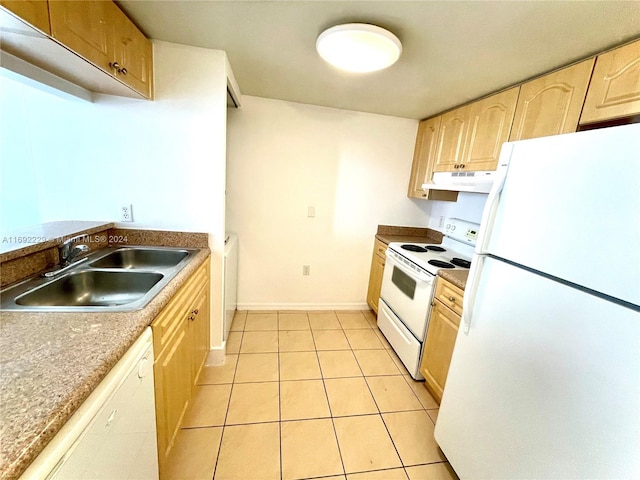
461 230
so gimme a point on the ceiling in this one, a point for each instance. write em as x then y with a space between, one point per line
453 51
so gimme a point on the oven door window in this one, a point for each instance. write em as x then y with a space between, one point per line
404 282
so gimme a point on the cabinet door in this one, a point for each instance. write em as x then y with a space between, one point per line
450 295
423 156
34 12
614 91
450 145
133 52
375 278
438 347
551 105
83 27
490 122
173 390
199 318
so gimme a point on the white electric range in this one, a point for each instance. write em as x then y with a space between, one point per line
408 284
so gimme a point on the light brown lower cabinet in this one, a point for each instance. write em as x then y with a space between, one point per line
181 340
441 336
375 277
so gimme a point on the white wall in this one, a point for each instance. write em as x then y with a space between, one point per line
73 160
468 207
352 167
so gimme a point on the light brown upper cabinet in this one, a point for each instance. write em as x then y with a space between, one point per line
551 105
423 159
450 144
132 52
83 27
489 125
614 91
422 155
35 12
99 32
471 136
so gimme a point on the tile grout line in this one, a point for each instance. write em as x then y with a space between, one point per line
326 394
380 413
279 400
226 414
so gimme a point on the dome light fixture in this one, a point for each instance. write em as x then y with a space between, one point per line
359 47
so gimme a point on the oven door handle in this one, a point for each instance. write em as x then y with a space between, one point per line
422 277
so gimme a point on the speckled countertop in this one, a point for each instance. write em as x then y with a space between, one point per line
390 233
457 277
51 362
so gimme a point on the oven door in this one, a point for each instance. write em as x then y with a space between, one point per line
408 291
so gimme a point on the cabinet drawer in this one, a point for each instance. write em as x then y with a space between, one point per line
450 295
178 309
381 249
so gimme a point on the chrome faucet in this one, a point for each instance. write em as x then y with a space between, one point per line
67 254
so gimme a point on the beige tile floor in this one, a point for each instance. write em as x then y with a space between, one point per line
309 395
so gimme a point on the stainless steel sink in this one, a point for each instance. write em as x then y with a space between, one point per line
141 258
91 288
113 279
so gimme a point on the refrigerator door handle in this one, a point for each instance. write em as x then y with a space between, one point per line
493 198
468 300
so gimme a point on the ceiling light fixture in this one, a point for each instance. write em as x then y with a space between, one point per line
359 47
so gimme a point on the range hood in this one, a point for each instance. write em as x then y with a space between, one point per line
475 182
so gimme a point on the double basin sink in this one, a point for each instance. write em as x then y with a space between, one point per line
115 279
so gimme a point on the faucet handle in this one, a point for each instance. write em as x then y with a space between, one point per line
65 248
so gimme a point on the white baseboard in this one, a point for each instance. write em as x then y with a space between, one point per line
302 306
216 356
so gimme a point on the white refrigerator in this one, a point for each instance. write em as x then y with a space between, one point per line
544 381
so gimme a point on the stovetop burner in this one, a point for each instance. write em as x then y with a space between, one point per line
435 248
461 262
413 248
441 264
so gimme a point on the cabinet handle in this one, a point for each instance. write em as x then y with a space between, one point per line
462 166
424 195
118 68
452 299
195 312
456 166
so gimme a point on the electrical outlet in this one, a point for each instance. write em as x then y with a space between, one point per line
126 213
306 270
311 212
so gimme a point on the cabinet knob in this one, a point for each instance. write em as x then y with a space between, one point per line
424 195
452 299
118 68
462 166
456 166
